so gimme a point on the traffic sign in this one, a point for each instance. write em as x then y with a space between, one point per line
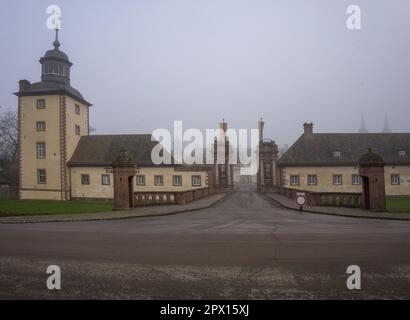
301 200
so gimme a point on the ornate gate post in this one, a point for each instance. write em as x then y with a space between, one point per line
371 169
223 172
268 155
124 172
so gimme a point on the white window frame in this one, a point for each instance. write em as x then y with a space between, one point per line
177 180
359 180
41 176
336 180
83 181
40 104
337 154
40 126
402 153
294 180
140 180
41 150
158 180
105 180
395 179
196 181
309 182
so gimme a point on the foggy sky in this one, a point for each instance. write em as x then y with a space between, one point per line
144 64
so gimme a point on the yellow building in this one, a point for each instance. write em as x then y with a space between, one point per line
328 162
91 167
59 160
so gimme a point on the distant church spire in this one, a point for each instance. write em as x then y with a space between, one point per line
386 128
362 128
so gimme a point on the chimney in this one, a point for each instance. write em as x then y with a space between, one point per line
24 85
308 128
260 129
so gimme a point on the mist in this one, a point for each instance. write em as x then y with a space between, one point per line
144 64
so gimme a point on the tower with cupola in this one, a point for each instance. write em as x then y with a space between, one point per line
52 117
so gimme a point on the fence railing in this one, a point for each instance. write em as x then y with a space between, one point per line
333 199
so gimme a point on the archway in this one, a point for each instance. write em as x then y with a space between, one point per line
371 168
366 192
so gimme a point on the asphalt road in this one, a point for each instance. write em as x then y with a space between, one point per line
243 248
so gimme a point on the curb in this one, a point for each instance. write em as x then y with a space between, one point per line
123 218
336 214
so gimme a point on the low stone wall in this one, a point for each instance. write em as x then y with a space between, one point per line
182 197
333 199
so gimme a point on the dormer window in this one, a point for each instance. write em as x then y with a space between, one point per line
336 154
402 153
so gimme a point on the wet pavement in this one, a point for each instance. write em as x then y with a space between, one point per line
245 247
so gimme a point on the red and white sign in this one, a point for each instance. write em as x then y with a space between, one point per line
301 198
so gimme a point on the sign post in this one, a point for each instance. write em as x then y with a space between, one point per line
301 200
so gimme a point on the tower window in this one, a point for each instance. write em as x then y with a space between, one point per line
40 126
41 104
77 109
54 67
85 179
77 130
41 150
196 181
41 176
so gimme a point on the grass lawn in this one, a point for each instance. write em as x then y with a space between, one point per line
398 204
48 207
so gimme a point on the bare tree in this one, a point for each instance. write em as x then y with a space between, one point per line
8 142
9 145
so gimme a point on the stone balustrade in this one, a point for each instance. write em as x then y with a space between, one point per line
333 199
181 197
